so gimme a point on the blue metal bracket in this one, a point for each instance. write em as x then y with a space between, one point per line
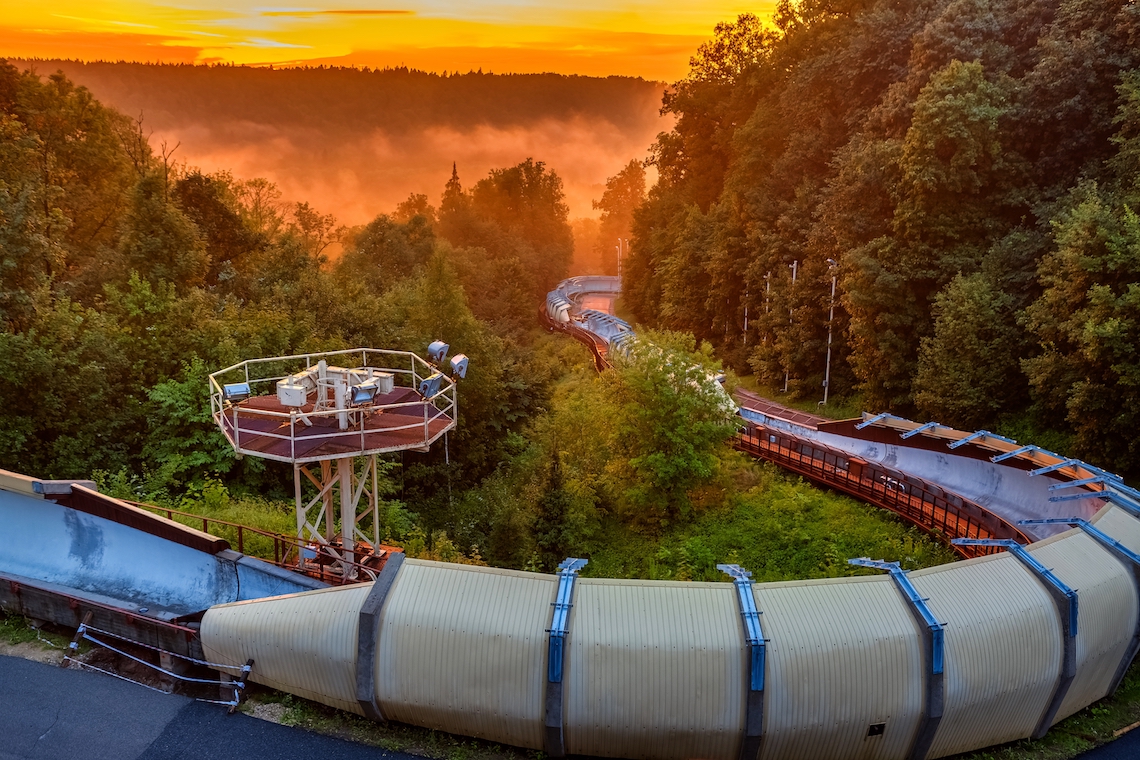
559 625
1054 467
875 419
1127 503
754 636
1018 452
918 602
1098 480
554 739
1092 530
1078 496
1122 552
980 435
920 429
1031 562
934 644
753 631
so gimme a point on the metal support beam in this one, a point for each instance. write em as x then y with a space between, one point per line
1065 599
877 418
367 633
554 741
754 640
981 435
920 430
1031 449
1076 496
1055 466
934 645
1128 558
1098 480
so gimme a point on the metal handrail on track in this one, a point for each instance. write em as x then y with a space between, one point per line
923 504
285 548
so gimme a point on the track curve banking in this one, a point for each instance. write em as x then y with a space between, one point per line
919 665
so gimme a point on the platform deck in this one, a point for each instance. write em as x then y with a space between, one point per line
259 431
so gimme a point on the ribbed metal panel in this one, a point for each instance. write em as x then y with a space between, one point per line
1003 650
300 643
1107 611
463 649
1120 525
655 669
842 655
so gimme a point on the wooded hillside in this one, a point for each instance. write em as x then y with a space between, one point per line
972 167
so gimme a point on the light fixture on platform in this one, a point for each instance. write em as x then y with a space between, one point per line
437 351
235 393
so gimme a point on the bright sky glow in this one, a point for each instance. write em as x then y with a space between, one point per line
631 37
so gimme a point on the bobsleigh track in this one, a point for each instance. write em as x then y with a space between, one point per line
1039 619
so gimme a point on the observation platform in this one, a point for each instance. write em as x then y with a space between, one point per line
264 427
413 406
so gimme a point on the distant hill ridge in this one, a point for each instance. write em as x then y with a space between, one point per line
347 98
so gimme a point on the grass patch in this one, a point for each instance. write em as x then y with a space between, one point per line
774 524
836 409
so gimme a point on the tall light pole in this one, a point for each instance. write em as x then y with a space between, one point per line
795 265
746 316
830 319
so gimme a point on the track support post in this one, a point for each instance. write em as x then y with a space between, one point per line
554 741
934 647
754 639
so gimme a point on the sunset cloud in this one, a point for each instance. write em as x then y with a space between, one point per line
630 37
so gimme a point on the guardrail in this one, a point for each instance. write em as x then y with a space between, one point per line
286 549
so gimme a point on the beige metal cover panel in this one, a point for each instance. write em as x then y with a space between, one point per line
301 643
1107 610
1003 650
842 654
1120 525
654 669
463 649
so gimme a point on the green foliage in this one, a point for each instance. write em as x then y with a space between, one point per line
770 523
670 419
624 192
185 439
935 151
965 369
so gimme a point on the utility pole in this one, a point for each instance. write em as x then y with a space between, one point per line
831 264
795 265
746 317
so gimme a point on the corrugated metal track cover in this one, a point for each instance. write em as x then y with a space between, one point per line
842 655
1003 650
655 669
463 649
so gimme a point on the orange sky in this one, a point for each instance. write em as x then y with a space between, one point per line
631 37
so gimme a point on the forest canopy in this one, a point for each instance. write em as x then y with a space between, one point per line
967 171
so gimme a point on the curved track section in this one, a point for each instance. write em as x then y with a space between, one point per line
902 665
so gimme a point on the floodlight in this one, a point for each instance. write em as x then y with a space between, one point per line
429 386
438 351
236 392
459 365
363 394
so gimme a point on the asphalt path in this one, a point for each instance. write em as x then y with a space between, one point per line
55 714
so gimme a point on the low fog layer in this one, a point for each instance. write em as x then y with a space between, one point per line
356 143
